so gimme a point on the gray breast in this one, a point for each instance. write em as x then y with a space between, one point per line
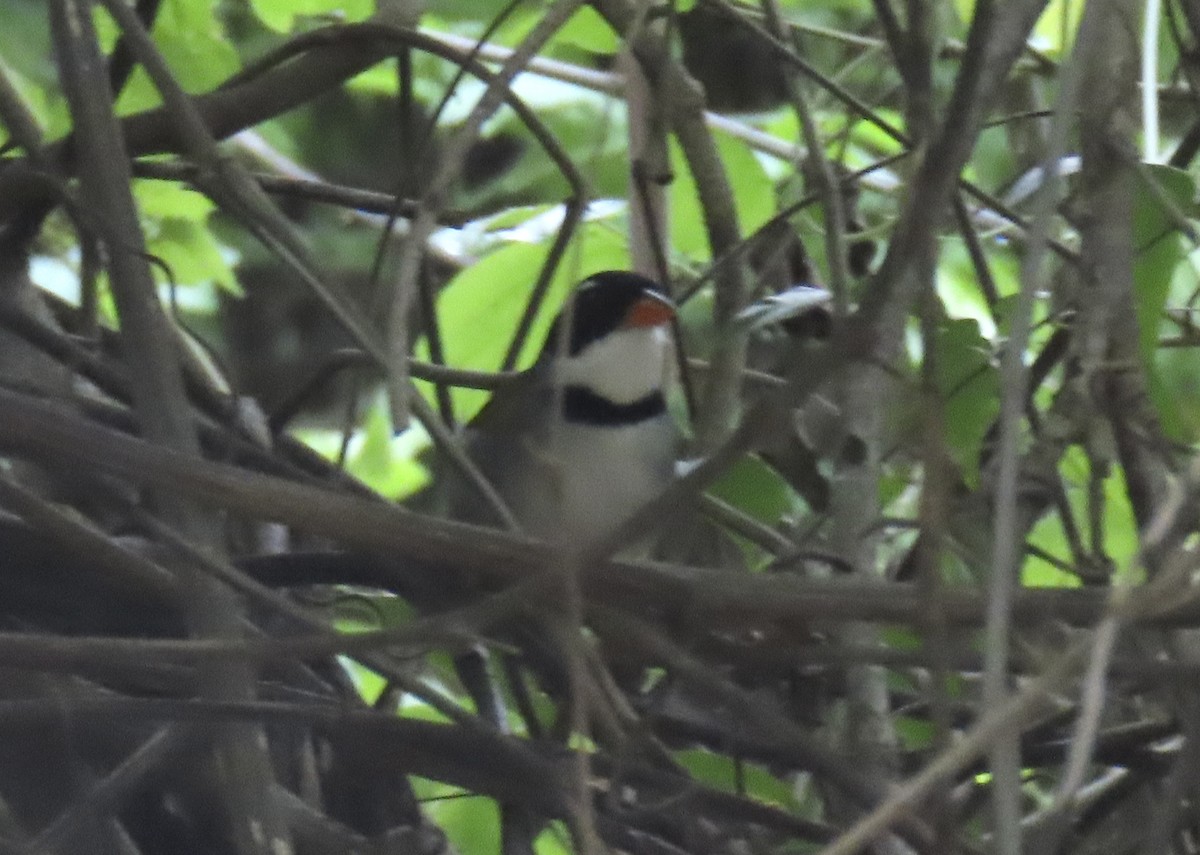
574 483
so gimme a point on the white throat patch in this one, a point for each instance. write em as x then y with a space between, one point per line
623 367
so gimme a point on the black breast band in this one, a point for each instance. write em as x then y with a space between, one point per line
583 406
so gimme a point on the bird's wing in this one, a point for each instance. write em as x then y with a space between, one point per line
520 407
505 441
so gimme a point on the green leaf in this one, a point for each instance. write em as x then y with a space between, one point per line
106 28
368 684
758 490
380 80
192 40
1162 189
472 11
513 217
716 770
25 43
385 463
720 772
995 161
411 707
970 388
1175 391
388 464
1160 255
175 220
45 103
762 786
1048 536
915 734
553 841
1120 541
1055 30
958 281
472 824
753 195
874 139
165 199
192 254
478 311
480 308
587 30
280 15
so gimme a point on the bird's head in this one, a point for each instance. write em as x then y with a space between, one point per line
617 340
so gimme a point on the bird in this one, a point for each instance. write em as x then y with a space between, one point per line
573 446
580 440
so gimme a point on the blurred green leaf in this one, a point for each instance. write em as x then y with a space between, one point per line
721 772
554 841
192 254
472 824
388 463
512 217
716 770
874 139
753 195
175 220
970 386
1175 390
480 308
758 490
165 199
192 40
472 11
1120 540
369 684
958 281
587 30
280 15
915 734
382 463
1059 18
997 161
1047 534
1163 194
1160 254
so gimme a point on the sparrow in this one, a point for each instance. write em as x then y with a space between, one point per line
583 438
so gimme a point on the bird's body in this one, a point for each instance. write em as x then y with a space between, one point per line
583 438
577 481
573 446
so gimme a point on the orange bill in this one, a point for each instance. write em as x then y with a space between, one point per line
652 310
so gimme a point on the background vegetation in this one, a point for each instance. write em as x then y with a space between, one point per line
257 257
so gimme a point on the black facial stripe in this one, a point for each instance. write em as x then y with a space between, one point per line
583 406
